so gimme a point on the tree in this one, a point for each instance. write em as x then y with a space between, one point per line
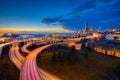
83 46
85 49
59 56
54 57
117 70
106 51
86 52
114 52
72 52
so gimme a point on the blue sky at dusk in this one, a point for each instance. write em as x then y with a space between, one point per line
59 14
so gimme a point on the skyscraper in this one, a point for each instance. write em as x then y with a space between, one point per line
86 27
81 31
91 29
99 29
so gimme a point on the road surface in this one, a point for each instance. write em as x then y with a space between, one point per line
30 70
18 61
24 48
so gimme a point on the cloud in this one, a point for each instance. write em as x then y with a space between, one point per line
104 13
85 5
89 4
50 20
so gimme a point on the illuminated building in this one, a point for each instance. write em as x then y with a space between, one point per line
81 31
86 28
91 29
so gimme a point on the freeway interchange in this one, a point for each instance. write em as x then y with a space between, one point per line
27 65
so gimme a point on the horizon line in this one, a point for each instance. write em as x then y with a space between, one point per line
21 30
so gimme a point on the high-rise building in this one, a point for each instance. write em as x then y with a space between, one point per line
99 29
86 27
81 31
91 28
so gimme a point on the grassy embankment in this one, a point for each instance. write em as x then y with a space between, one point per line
8 69
96 66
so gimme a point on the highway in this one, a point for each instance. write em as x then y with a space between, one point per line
30 67
27 66
13 42
24 48
15 56
45 75
9 43
18 61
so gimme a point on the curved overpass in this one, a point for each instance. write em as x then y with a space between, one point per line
9 43
30 71
24 48
18 61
